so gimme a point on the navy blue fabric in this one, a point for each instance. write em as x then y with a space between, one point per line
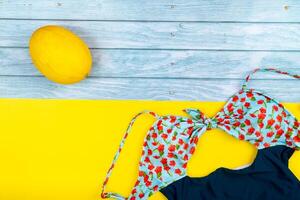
267 178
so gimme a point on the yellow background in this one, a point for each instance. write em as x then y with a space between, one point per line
61 149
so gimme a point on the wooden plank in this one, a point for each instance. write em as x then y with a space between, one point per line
192 10
143 88
164 35
164 63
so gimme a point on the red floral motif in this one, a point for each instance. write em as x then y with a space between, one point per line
194 140
185 157
260 101
189 121
159 125
261 116
296 138
154 135
247 104
247 122
251 130
146 177
240 111
192 150
164 136
163 161
237 123
172 119
279 132
228 128
158 169
133 191
172 147
249 94
180 141
150 167
161 148
283 114
190 131
270 134
289 143
279 118
170 155
220 120
178 171
274 141
271 122
235 98
257 134
230 109
230 105
141 195
275 108
266 145
241 137
226 122
296 124
262 110
144 144
148 183
172 163
186 146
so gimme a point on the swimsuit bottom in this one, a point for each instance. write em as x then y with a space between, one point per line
267 178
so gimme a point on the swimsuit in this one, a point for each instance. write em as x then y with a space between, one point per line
267 178
249 115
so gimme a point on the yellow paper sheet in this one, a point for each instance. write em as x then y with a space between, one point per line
61 149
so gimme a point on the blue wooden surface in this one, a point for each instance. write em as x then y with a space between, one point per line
162 50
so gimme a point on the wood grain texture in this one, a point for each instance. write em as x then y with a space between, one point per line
117 63
164 35
167 10
143 88
159 50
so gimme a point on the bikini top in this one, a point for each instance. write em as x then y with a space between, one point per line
249 115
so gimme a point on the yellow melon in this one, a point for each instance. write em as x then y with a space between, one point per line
60 55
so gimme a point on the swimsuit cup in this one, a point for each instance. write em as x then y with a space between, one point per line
249 115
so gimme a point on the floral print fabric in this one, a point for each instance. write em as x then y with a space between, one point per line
248 115
255 117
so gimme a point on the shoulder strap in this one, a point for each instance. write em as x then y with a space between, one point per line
248 77
111 194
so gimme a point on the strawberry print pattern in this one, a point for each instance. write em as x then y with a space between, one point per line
171 141
252 116
169 144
